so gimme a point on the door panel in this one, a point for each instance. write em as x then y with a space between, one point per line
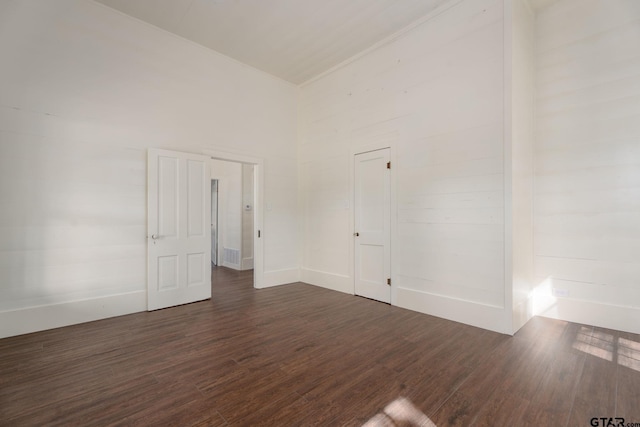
372 225
167 194
196 186
179 236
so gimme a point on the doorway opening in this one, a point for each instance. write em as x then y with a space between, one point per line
236 216
232 210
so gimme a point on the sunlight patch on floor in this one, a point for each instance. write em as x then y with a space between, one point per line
629 354
605 346
600 346
400 412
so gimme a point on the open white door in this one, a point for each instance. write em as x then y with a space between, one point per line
179 231
372 225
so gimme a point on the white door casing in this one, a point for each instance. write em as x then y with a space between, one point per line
178 228
372 225
214 221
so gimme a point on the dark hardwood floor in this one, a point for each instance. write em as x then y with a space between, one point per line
299 355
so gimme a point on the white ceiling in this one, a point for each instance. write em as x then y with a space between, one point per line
295 40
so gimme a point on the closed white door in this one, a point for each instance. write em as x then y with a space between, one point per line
179 231
372 223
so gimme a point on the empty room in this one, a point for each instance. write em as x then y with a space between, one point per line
307 212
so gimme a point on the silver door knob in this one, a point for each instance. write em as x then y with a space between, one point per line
154 236
356 234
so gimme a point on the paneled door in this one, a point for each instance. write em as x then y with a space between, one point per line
372 222
179 230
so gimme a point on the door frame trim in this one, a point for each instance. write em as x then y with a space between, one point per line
393 217
258 201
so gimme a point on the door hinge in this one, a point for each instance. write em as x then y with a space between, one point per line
389 281
388 165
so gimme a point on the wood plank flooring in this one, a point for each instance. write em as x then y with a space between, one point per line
298 355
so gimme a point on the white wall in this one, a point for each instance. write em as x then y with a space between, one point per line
436 96
84 91
587 169
519 158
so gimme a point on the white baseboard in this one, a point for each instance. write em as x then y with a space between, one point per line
522 313
467 312
40 318
607 316
335 282
230 265
279 277
247 263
